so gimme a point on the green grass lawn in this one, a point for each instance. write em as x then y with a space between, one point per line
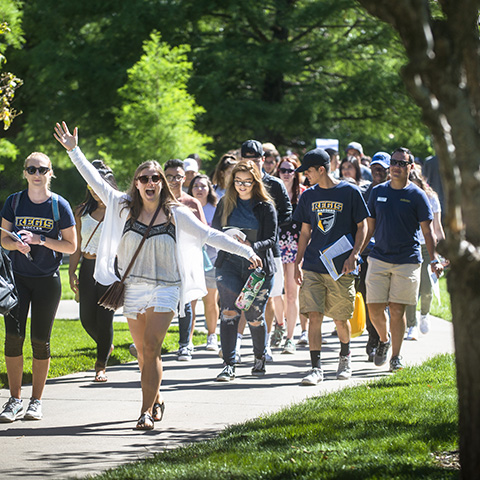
392 428
74 351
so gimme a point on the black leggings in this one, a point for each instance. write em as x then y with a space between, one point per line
96 320
42 294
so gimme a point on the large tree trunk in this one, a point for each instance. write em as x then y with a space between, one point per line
443 77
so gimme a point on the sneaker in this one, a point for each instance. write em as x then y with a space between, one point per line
277 335
184 354
412 333
133 350
238 356
227 374
12 410
212 343
289 346
371 347
425 323
344 371
34 410
396 364
303 340
381 352
314 377
259 367
268 354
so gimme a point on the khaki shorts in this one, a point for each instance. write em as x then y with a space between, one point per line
391 282
321 293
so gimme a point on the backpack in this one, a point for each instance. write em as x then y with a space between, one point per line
8 290
55 210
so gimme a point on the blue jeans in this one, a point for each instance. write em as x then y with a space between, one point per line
185 326
231 278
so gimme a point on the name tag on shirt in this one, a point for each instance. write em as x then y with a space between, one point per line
381 199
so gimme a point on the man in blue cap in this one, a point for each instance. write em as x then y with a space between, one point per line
329 210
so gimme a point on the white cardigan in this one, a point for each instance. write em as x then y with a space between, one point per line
191 235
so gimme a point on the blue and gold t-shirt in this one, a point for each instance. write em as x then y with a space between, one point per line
332 213
37 218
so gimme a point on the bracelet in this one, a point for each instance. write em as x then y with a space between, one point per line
73 149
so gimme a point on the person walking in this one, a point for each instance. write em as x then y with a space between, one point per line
96 320
45 223
247 207
328 211
161 277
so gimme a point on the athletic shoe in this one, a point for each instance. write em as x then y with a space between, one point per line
277 335
289 346
184 354
238 356
371 347
314 377
303 340
412 333
268 354
381 352
344 371
425 323
227 374
133 350
396 364
34 410
259 367
212 343
12 410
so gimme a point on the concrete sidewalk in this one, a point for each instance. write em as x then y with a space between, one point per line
89 427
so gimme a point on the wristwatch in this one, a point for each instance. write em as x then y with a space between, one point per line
42 240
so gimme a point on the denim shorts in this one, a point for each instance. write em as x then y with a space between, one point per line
141 296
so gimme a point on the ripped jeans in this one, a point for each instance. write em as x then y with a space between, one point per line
231 278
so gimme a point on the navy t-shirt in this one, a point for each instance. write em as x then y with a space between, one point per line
332 213
398 214
37 218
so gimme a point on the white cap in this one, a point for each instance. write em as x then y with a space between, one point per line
190 165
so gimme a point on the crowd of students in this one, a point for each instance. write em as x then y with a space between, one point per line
177 236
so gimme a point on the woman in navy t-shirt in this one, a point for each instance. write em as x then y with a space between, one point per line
46 226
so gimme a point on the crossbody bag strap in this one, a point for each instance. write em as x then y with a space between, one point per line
135 255
93 233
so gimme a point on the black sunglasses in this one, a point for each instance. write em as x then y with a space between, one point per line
399 163
146 178
40 170
286 170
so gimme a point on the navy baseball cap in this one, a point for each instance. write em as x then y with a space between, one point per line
252 149
317 157
381 158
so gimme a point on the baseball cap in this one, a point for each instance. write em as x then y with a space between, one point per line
252 149
381 158
190 165
357 146
317 157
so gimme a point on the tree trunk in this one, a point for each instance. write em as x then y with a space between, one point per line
443 77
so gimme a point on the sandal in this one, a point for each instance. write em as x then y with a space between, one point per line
100 376
158 409
145 422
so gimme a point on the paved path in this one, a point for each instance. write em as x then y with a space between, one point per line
88 427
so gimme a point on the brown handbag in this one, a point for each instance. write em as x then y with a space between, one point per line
112 299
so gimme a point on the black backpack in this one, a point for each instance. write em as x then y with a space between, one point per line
8 291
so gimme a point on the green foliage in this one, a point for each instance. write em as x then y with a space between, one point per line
157 117
384 429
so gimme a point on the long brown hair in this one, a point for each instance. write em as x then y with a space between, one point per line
225 162
417 177
259 192
293 159
135 202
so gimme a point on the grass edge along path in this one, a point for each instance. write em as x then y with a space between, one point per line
390 428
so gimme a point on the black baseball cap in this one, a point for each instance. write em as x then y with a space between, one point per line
317 157
252 149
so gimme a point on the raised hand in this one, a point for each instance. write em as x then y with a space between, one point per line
63 135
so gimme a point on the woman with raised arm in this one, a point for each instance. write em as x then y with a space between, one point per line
43 228
161 276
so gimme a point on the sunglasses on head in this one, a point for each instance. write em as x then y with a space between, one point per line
399 163
146 178
286 170
40 170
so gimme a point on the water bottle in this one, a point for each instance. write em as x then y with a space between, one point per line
250 289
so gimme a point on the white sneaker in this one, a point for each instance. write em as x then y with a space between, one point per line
314 377
412 333
425 323
133 350
12 410
184 354
212 343
268 354
303 340
34 410
344 371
